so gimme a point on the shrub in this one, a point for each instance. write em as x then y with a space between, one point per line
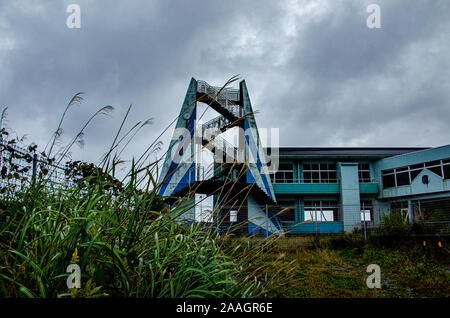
394 224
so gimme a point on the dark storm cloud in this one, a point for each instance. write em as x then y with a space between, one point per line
313 68
356 86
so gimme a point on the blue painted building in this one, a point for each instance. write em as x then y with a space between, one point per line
331 190
292 190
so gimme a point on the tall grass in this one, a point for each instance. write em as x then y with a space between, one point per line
122 244
128 243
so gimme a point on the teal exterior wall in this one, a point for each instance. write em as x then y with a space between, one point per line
411 158
371 188
305 188
348 191
437 183
350 203
324 188
322 227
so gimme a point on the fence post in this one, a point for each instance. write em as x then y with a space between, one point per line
364 220
316 240
34 171
420 211
267 223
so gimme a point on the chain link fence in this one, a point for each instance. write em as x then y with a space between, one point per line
432 214
424 217
20 167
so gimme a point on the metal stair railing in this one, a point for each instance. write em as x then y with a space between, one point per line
230 94
228 98
221 146
219 123
205 172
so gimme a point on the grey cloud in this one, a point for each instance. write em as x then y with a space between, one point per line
313 68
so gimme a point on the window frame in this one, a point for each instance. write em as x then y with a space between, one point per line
366 205
416 168
362 179
319 169
274 177
323 206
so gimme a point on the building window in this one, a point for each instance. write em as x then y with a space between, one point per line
319 173
388 178
366 210
414 170
203 210
405 175
435 167
402 176
446 168
321 211
233 216
364 172
284 174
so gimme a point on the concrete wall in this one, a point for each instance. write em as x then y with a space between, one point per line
380 209
436 183
349 199
411 159
257 220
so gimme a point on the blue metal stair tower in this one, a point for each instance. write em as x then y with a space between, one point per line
241 171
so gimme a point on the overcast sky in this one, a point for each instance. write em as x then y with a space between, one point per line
313 68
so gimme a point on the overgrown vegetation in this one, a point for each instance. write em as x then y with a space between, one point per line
121 244
127 242
411 266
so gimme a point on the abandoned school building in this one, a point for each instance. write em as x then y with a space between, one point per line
325 190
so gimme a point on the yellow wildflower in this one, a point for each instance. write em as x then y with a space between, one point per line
75 258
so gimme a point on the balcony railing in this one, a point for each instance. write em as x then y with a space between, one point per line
309 181
318 181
